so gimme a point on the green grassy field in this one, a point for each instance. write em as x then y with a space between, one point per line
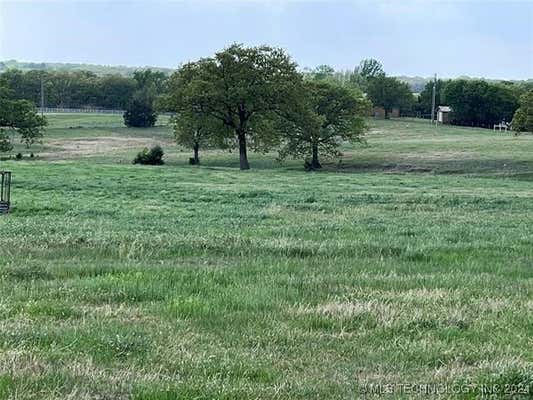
410 262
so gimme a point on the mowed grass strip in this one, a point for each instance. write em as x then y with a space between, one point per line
121 281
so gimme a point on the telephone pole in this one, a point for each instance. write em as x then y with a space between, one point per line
433 99
42 90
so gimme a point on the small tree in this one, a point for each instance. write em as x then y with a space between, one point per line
194 130
333 114
18 116
523 117
140 113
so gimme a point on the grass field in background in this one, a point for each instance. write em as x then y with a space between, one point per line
408 262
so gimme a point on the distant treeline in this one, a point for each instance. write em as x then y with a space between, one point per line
416 83
474 102
71 89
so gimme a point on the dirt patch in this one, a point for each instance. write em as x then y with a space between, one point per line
96 146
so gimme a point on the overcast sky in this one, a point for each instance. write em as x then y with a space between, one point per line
492 39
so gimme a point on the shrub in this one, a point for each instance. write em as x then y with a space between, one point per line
140 113
153 156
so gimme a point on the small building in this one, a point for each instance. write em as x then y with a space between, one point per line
443 114
379 112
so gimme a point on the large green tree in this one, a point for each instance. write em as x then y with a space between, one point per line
523 117
333 115
243 88
389 92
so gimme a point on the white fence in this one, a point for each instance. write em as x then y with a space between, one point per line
57 110
50 110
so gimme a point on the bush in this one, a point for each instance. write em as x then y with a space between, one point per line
154 156
523 117
140 114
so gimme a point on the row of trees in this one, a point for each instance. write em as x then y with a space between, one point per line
77 89
81 89
255 97
474 102
383 91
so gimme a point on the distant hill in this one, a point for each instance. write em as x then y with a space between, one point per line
97 69
416 83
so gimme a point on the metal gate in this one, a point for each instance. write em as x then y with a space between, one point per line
5 191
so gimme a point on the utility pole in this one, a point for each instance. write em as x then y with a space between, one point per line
433 99
42 90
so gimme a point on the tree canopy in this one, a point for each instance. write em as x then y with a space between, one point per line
370 68
76 89
333 114
243 88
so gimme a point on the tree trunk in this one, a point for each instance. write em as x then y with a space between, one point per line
243 156
315 164
196 157
386 113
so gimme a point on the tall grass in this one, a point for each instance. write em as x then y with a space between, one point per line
411 264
